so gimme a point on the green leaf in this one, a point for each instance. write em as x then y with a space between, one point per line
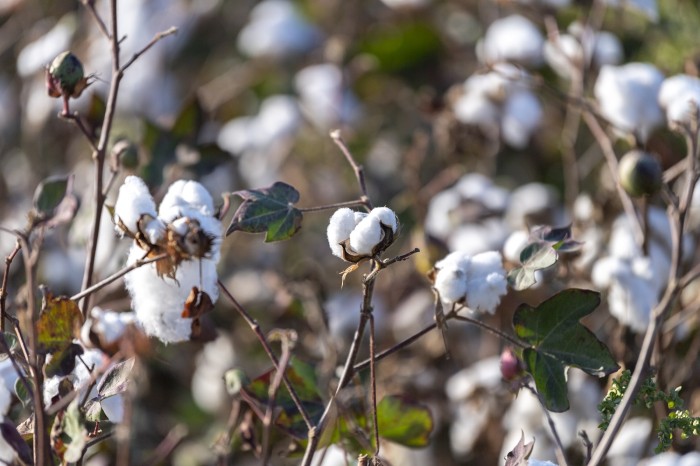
404 421
75 431
536 256
235 380
116 379
93 410
268 210
302 377
23 394
58 324
402 46
550 379
10 344
558 339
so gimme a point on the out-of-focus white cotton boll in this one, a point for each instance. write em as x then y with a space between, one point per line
278 118
208 388
238 135
627 97
324 98
513 39
81 375
133 202
438 222
607 49
340 226
531 462
626 445
668 458
522 114
35 55
108 324
480 188
563 54
514 245
276 29
679 96
475 109
474 238
646 7
528 200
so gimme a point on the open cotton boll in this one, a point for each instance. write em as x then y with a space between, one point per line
627 97
486 282
366 235
607 49
324 97
386 217
522 114
563 54
133 202
473 108
183 195
513 39
276 30
158 301
340 226
679 96
451 283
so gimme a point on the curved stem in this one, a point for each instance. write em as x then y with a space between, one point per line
490 329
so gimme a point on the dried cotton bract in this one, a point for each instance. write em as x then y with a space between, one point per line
353 236
187 231
479 281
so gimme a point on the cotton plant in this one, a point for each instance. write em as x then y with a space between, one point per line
627 97
477 281
580 46
168 295
500 100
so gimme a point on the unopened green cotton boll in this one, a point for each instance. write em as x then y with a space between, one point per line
65 76
640 173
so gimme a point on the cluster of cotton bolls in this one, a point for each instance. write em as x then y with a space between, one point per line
635 280
188 232
636 98
355 235
478 281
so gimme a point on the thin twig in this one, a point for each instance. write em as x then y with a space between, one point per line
338 205
90 5
169 443
116 275
380 265
3 289
360 366
253 324
559 450
609 153
490 329
224 442
373 385
287 338
172 30
357 168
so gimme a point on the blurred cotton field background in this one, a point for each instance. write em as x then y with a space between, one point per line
463 115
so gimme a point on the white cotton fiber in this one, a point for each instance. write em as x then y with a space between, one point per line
486 282
133 202
451 283
183 197
340 226
366 235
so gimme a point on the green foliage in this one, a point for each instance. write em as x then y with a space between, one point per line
402 46
648 394
404 421
10 343
557 340
303 379
268 210
58 324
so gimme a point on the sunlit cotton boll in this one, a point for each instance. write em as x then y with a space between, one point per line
679 96
486 282
511 39
134 201
208 389
369 233
276 29
341 224
627 96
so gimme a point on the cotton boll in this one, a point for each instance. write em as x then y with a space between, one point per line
457 258
366 235
626 445
531 462
514 245
513 38
154 230
451 283
276 30
238 135
668 458
522 114
480 188
134 201
185 195
324 97
386 217
108 324
607 49
627 97
340 226
486 281
476 109
208 389
279 117
679 96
